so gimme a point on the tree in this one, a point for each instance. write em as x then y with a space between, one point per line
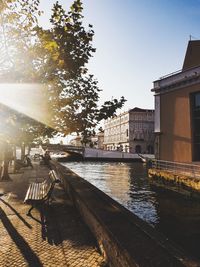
56 58
16 129
17 34
75 90
80 112
7 136
19 64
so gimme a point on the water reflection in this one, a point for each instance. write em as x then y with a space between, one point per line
125 182
177 218
180 221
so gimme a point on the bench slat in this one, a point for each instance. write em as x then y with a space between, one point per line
41 191
54 176
28 192
33 191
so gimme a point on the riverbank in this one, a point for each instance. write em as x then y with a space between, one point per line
123 237
177 217
175 181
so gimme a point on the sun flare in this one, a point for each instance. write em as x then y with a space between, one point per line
29 99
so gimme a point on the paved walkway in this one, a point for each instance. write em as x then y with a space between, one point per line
55 237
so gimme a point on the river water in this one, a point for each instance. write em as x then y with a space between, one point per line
177 218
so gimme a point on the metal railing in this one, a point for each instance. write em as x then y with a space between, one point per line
170 74
177 168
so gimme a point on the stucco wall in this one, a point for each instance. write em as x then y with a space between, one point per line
176 136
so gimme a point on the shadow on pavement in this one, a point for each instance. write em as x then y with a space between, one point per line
16 213
61 222
21 244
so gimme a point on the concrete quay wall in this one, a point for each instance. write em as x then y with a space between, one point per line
178 183
112 154
123 238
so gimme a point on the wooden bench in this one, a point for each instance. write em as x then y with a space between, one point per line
40 192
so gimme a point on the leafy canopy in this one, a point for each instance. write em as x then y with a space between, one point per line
56 58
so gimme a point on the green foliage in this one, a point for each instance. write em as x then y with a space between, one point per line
17 36
77 90
57 58
80 112
20 63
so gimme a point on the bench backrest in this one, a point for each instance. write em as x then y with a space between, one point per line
54 177
49 183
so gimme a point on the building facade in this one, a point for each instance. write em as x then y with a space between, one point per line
95 141
177 111
76 141
131 131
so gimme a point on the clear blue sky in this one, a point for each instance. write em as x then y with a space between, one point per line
137 42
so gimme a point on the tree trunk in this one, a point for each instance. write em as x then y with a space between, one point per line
4 170
22 151
14 158
29 149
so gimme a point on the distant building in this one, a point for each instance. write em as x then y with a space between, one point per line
131 131
76 141
95 141
177 110
100 140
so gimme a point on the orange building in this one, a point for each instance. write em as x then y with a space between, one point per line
177 110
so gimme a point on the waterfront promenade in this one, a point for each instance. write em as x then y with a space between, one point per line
54 237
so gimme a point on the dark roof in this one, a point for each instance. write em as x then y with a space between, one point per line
192 56
140 110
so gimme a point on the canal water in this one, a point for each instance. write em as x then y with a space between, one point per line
177 218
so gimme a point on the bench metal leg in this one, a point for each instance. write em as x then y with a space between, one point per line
29 211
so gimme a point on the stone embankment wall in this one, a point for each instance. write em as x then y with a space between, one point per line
187 186
123 238
91 153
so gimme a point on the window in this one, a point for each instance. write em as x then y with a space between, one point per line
197 100
195 118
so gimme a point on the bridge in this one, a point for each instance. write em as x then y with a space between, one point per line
65 148
88 153
74 152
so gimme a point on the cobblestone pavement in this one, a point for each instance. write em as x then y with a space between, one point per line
54 236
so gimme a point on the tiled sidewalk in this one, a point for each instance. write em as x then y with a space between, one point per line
54 237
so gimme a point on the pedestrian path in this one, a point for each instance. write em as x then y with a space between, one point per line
53 237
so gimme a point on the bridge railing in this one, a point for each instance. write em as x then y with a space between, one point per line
71 147
186 169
